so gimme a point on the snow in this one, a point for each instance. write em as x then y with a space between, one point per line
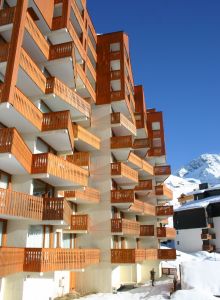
205 168
192 295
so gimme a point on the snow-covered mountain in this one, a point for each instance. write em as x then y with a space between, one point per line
205 168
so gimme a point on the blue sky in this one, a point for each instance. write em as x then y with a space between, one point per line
175 53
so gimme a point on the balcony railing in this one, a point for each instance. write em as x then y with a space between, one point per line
37 36
58 120
163 190
20 205
118 142
122 196
55 86
149 209
166 232
4 51
81 159
137 207
55 259
127 256
141 143
148 168
125 227
61 50
11 142
80 223
147 230
135 160
164 211
87 195
56 166
11 260
167 254
119 118
162 170
84 135
144 185
151 254
57 209
120 169
7 16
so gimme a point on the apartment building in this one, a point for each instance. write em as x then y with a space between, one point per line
82 159
197 220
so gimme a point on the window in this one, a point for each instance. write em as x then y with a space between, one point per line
115 65
156 126
178 242
4 180
115 47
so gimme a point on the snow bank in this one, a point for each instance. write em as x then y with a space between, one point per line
203 275
192 295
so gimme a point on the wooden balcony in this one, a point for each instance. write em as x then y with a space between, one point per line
81 159
166 254
144 186
57 259
163 211
134 161
166 233
137 207
124 175
141 146
79 224
147 169
86 195
127 256
208 248
146 230
15 156
149 209
6 18
57 171
208 236
84 140
125 200
162 172
151 254
125 227
163 192
19 205
57 209
61 97
57 130
121 125
121 146
11 260
140 120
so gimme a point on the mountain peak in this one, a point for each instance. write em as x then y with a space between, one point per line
205 168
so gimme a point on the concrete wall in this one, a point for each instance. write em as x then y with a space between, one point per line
216 230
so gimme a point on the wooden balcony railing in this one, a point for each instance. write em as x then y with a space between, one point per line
37 36
57 209
144 185
163 190
118 142
56 166
141 143
166 232
151 254
147 167
167 254
4 51
114 75
33 71
159 151
147 230
81 159
164 211
55 86
20 205
7 16
61 50
122 196
125 226
208 236
85 136
80 223
58 120
11 142
119 118
88 194
135 160
127 256
55 259
149 209
137 207
120 169
11 260
162 170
